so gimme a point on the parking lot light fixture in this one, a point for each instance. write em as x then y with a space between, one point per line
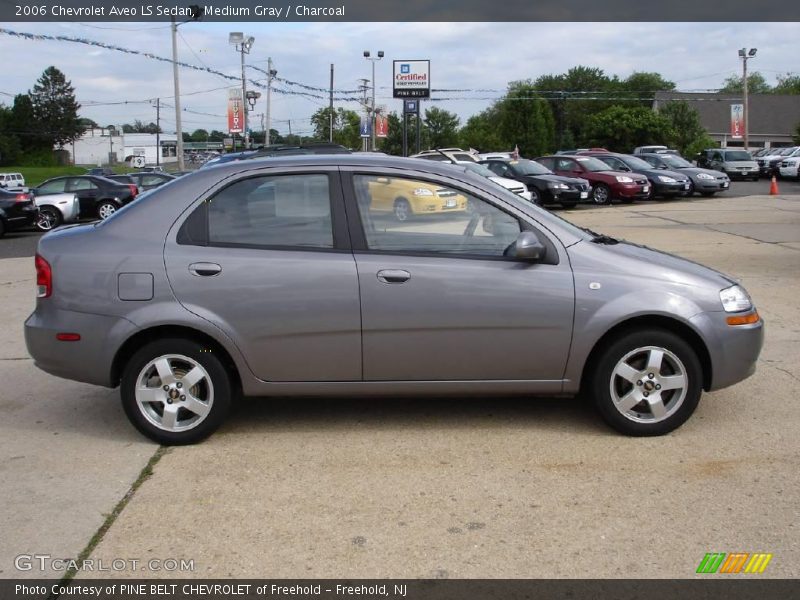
371 109
746 54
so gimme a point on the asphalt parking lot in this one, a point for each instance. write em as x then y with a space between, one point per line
431 487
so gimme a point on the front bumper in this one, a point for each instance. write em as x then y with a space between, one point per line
571 195
789 172
671 189
733 350
743 174
711 185
631 190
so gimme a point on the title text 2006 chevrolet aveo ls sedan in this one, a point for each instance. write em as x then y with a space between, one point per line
281 277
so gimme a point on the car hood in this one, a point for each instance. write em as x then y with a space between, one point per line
507 183
554 178
648 266
698 170
665 172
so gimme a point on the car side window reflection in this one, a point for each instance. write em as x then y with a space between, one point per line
414 216
286 210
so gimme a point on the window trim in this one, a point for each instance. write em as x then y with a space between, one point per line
359 238
340 233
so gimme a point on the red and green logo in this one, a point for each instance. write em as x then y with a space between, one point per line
735 562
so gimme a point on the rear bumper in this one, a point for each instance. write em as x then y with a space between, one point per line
733 350
88 360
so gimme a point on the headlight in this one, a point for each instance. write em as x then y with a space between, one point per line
624 179
423 192
704 176
557 186
666 179
735 299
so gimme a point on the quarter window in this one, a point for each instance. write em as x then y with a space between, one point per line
286 210
414 216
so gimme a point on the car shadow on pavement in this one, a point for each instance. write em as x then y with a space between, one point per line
445 413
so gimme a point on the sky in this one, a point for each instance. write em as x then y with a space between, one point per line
475 56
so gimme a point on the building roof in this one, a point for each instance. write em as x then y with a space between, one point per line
770 114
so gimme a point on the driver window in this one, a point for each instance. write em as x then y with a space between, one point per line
414 216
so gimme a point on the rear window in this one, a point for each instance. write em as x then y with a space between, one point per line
737 155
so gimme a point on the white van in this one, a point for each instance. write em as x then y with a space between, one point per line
12 181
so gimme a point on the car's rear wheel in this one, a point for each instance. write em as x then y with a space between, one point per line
106 208
536 198
175 391
49 218
601 194
646 382
402 209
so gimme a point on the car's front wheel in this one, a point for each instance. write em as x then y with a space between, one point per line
601 194
106 208
176 391
646 382
536 198
48 218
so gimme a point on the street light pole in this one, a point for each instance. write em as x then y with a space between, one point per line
371 110
270 74
178 128
746 54
243 45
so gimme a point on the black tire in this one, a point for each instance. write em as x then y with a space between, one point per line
49 218
536 197
601 378
402 210
221 390
2 228
568 205
107 208
601 194
651 195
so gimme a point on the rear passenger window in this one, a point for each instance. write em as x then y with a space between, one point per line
286 210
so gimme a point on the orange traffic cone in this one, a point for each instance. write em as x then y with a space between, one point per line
773 187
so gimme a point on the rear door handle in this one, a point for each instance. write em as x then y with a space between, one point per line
393 276
204 269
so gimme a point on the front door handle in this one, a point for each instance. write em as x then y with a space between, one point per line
393 276
204 269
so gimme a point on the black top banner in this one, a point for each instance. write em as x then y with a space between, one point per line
416 10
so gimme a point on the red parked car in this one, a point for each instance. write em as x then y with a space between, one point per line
606 183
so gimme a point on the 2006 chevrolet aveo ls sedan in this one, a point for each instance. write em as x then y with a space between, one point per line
281 277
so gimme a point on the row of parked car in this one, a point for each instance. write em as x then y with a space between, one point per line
591 175
98 194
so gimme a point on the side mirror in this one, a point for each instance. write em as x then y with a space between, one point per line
382 180
528 247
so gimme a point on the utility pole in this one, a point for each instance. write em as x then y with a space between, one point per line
244 104
270 74
371 110
746 54
178 128
158 131
330 107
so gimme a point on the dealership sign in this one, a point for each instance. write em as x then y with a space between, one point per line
737 121
235 108
412 79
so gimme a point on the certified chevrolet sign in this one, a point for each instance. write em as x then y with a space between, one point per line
412 79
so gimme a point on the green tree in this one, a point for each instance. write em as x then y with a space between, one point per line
481 131
621 128
87 123
441 127
393 142
684 121
756 84
525 120
216 136
9 140
642 87
200 135
787 84
55 107
346 127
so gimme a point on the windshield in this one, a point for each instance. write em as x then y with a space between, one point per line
737 155
676 162
479 169
594 164
529 167
636 163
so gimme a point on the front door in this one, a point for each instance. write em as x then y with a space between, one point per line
441 300
260 260
86 191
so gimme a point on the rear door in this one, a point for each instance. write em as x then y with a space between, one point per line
440 301
267 259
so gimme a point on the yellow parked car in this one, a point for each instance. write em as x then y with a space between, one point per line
406 198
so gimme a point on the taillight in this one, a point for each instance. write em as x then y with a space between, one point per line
22 198
44 278
134 189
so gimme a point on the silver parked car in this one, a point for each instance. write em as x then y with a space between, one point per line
292 277
56 209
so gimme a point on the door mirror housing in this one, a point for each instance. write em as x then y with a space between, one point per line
528 247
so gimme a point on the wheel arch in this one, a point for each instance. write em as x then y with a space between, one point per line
145 336
637 323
